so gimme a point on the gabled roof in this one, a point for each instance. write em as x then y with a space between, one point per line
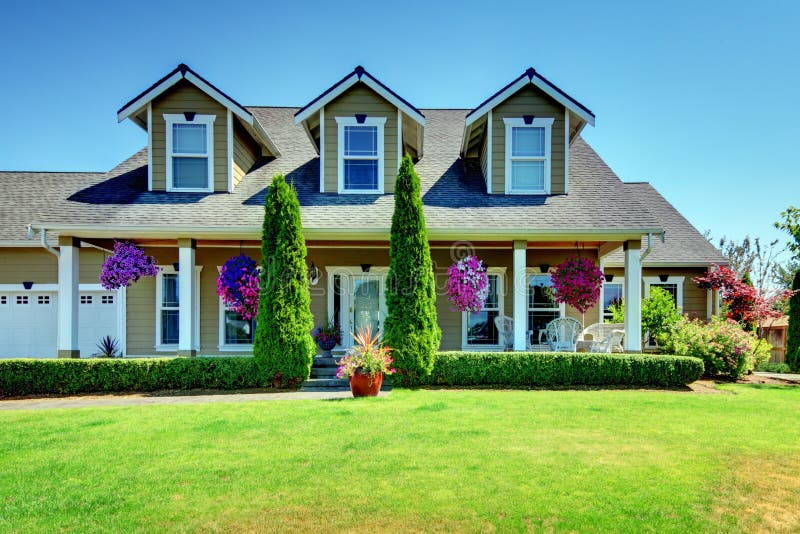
359 74
533 77
183 72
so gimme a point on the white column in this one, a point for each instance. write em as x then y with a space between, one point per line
68 296
633 296
187 298
520 295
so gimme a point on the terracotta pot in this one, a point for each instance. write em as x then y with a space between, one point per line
362 385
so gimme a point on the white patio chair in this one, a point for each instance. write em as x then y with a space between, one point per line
505 327
562 334
609 343
600 331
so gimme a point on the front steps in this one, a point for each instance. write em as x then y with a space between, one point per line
323 376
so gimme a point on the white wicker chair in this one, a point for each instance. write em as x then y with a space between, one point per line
562 334
505 327
599 332
609 343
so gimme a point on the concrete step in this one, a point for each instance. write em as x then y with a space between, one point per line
323 372
319 361
332 384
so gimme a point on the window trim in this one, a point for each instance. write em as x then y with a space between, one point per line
172 119
501 297
621 283
168 269
562 308
378 122
655 280
547 124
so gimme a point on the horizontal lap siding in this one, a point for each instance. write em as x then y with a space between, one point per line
528 101
244 154
694 298
184 96
360 99
39 266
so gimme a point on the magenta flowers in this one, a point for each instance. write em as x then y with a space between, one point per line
467 284
126 265
238 284
577 282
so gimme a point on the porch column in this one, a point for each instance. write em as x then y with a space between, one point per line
68 296
187 298
520 295
633 296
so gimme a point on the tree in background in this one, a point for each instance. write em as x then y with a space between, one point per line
790 224
752 261
411 328
283 347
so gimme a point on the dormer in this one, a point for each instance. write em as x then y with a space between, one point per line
361 129
521 135
199 139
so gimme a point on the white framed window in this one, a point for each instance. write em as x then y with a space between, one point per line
612 293
22 300
673 285
3 300
168 308
528 161
478 329
107 299
86 299
361 157
235 332
190 152
542 307
43 299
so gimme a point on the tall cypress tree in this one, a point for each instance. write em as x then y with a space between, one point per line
283 347
793 332
411 328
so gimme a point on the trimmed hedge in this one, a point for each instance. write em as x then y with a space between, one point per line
65 376
530 369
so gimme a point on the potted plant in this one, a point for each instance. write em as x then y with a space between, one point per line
327 337
467 284
366 363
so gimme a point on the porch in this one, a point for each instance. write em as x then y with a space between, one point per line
179 311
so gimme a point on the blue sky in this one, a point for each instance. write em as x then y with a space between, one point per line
699 98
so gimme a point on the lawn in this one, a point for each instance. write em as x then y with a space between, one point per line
613 460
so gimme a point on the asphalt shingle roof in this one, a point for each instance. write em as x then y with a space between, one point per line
453 193
683 243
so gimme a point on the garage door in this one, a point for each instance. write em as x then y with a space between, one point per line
29 327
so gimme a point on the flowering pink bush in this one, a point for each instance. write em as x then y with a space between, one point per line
577 282
126 265
467 284
238 284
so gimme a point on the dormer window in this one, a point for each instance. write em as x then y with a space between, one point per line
189 151
360 154
528 162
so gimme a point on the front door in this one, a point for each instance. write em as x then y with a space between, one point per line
361 302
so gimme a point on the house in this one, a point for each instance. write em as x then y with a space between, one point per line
511 180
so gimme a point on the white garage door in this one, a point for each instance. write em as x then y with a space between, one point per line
29 327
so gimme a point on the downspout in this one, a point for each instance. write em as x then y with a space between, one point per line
48 248
650 245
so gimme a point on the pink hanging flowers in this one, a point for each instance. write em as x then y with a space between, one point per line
238 284
577 282
126 265
467 284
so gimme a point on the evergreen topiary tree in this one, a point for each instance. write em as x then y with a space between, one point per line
283 347
411 328
793 332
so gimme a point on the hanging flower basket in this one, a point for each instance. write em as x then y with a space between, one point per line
238 284
126 265
467 284
577 282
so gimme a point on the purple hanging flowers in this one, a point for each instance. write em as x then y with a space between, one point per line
577 282
238 284
467 284
126 265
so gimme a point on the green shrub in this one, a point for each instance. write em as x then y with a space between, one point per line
64 377
283 346
774 367
658 314
793 331
411 328
531 369
722 344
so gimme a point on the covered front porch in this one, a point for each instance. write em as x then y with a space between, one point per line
179 311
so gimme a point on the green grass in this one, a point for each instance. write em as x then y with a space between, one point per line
612 460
